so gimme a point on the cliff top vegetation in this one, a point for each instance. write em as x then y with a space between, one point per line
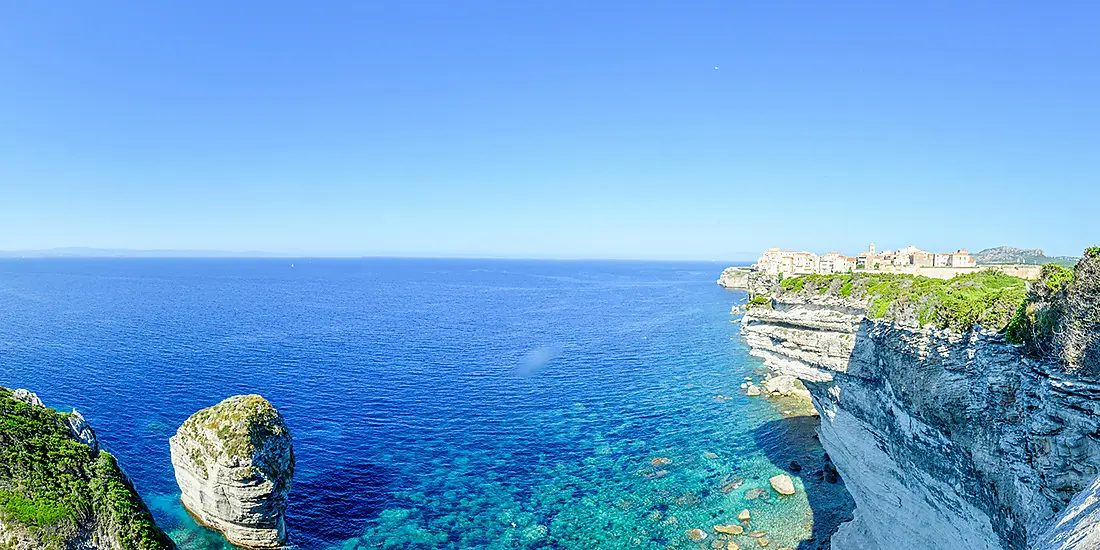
1060 316
237 426
1056 317
58 490
986 298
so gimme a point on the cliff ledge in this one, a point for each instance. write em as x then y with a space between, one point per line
961 413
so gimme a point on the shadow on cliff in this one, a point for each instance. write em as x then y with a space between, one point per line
794 439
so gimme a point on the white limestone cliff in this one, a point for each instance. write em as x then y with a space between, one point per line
234 463
944 439
734 277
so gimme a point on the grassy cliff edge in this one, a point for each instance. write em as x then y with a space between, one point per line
986 298
1055 317
57 492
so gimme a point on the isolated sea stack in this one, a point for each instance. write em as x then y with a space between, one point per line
58 489
234 462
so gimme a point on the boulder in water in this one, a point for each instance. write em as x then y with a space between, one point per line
696 535
783 484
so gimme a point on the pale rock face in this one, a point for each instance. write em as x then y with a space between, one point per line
735 277
944 440
786 385
234 463
79 427
1078 526
82 430
27 397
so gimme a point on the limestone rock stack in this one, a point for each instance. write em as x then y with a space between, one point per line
234 463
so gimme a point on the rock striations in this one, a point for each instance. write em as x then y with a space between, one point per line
58 489
735 277
234 462
946 438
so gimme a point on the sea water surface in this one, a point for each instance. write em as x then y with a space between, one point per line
434 403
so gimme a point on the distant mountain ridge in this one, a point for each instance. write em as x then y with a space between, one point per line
88 252
1013 255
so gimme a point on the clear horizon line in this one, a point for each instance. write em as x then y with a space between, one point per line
165 253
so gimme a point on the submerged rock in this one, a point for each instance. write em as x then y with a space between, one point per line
729 529
783 484
696 535
744 515
753 494
234 463
753 390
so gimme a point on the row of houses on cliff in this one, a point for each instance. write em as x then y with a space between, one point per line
790 262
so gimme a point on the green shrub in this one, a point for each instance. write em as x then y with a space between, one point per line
759 301
794 284
846 287
1055 277
54 484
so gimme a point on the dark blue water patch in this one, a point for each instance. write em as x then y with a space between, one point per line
434 403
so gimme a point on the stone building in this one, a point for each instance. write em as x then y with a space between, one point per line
906 260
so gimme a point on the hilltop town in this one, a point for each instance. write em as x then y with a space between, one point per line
910 260
789 262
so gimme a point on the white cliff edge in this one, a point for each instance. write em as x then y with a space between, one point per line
234 463
944 440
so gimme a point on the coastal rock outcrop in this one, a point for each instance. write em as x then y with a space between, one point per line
947 437
234 462
58 489
735 277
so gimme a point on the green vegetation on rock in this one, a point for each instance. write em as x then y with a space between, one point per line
1060 319
55 490
240 423
988 298
759 301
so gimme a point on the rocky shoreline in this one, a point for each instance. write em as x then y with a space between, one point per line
58 489
945 438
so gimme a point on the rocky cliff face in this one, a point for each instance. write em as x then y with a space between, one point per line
734 277
234 462
58 489
945 438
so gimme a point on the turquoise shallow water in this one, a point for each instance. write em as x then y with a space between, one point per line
435 403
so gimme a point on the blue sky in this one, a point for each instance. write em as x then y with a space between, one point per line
549 129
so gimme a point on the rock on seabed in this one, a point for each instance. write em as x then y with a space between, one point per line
234 463
783 484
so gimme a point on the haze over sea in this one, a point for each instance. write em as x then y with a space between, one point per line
433 403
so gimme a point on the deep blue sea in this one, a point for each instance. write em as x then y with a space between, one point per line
433 403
